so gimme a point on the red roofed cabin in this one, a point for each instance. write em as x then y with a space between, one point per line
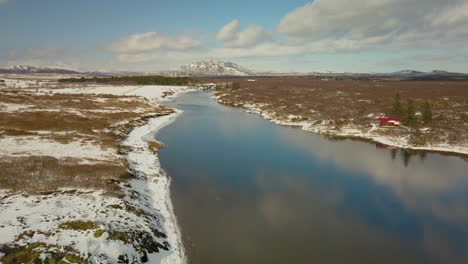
389 122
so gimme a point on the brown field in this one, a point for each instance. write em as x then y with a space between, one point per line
31 118
353 101
39 174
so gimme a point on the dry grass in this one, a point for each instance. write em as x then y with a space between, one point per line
36 174
154 146
351 101
66 118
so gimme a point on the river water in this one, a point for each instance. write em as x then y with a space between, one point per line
248 191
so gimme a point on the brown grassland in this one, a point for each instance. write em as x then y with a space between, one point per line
356 102
100 120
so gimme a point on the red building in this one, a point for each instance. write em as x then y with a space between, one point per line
392 122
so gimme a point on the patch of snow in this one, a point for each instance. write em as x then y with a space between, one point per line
8 107
34 145
150 92
144 162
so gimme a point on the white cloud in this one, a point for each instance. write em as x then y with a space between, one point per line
362 24
233 37
320 27
48 52
449 56
229 31
174 56
452 15
152 41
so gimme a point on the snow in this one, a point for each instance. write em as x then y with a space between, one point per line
148 191
212 67
33 145
144 162
8 107
14 83
43 213
150 92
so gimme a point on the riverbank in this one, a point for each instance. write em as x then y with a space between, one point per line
353 132
350 109
88 189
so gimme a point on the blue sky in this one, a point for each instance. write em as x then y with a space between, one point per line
293 35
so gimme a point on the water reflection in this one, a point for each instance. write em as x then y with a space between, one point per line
286 220
247 191
405 153
431 188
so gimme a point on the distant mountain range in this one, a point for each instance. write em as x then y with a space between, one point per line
26 69
213 68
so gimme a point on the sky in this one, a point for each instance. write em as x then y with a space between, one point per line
262 35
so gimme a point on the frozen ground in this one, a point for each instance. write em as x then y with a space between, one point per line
74 225
155 93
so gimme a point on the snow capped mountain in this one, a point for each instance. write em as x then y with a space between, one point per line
25 69
434 73
212 68
324 72
407 72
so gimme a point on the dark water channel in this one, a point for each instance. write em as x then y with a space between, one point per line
247 191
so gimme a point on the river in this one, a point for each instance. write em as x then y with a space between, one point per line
248 191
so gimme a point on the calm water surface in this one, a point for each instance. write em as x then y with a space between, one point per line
247 191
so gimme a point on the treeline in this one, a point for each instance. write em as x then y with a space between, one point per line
407 112
228 86
138 80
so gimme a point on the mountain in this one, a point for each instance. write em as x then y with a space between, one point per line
211 68
418 75
25 69
406 72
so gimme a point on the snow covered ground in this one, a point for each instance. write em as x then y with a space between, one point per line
157 93
146 165
83 224
36 146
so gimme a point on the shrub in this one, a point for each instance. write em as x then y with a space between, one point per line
426 110
409 115
397 108
417 139
99 233
78 225
235 86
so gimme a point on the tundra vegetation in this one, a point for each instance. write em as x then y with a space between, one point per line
436 112
407 112
133 80
64 119
61 158
227 86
